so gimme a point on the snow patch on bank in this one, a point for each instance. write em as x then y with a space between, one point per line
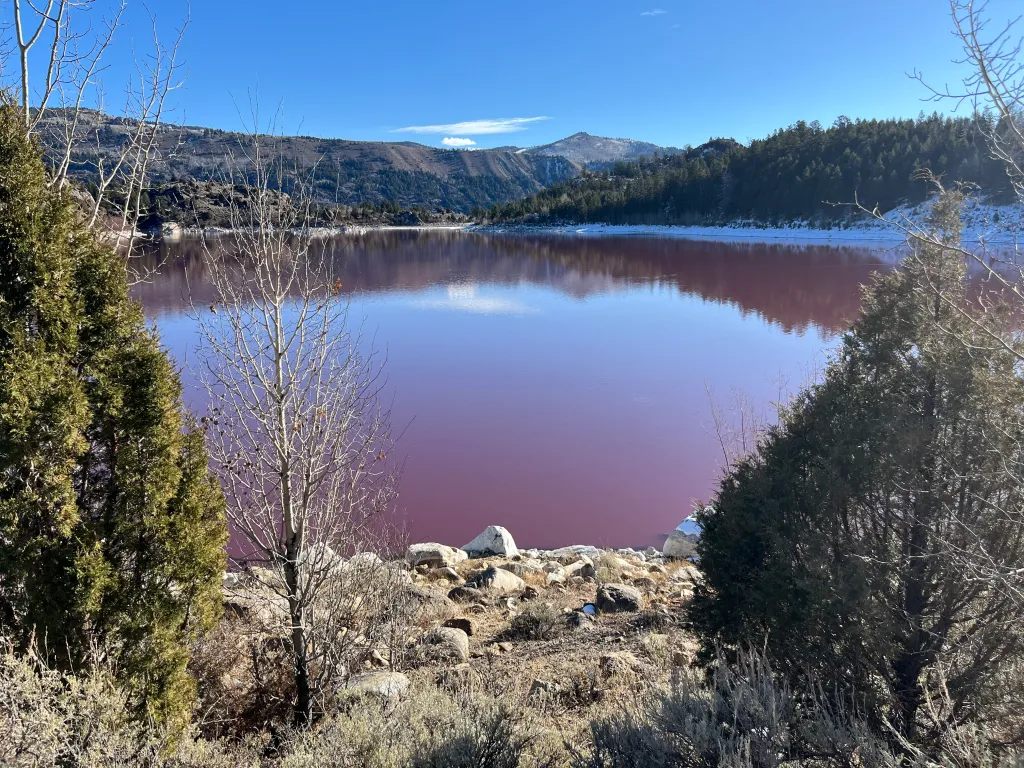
984 224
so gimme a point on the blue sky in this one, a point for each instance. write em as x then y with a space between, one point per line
668 71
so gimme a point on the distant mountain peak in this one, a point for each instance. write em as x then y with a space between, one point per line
596 151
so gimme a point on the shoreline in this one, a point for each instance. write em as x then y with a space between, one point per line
724 234
978 231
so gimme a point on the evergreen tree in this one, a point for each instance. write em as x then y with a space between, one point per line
875 541
112 532
797 173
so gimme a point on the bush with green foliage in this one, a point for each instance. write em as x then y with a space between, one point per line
112 531
875 541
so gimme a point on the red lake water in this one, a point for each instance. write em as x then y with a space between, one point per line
558 385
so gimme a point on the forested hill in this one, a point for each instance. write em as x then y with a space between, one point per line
349 173
797 173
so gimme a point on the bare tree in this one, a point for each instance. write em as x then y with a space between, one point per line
297 432
64 105
993 86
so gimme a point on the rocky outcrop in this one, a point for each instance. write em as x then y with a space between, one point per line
572 553
463 623
494 541
523 567
614 598
583 567
497 580
434 555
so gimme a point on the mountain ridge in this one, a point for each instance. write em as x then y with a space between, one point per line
346 172
351 172
600 151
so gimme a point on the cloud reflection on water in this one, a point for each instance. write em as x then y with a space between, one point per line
466 298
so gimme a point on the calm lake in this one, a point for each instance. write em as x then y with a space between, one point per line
558 385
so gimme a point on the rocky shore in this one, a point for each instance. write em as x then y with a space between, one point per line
570 626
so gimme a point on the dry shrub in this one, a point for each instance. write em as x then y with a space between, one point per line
428 730
576 689
48 718
245 667
244 679
743 717
51 718
539 621
655 621
658 648
608 567
535 578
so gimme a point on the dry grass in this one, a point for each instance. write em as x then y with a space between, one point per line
538 691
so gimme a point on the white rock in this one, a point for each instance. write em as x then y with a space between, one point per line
388 685
522 567
493 541
446 643
679 544
572 553
584 567
434 555
497 580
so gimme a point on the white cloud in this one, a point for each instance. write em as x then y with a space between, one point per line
452 141
654 12
475 127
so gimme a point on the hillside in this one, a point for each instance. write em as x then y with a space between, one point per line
801 173
598 151
348 172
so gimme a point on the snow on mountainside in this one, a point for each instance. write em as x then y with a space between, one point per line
599 150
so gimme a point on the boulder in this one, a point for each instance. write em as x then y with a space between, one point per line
584 568
465 624
613 598
618 663
645 583
466 594
387 685
688 574
365 560
434 555
497 580
495 540
424 598
446 644
556 578
679 544
522 567
580 621
570 554
448 574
